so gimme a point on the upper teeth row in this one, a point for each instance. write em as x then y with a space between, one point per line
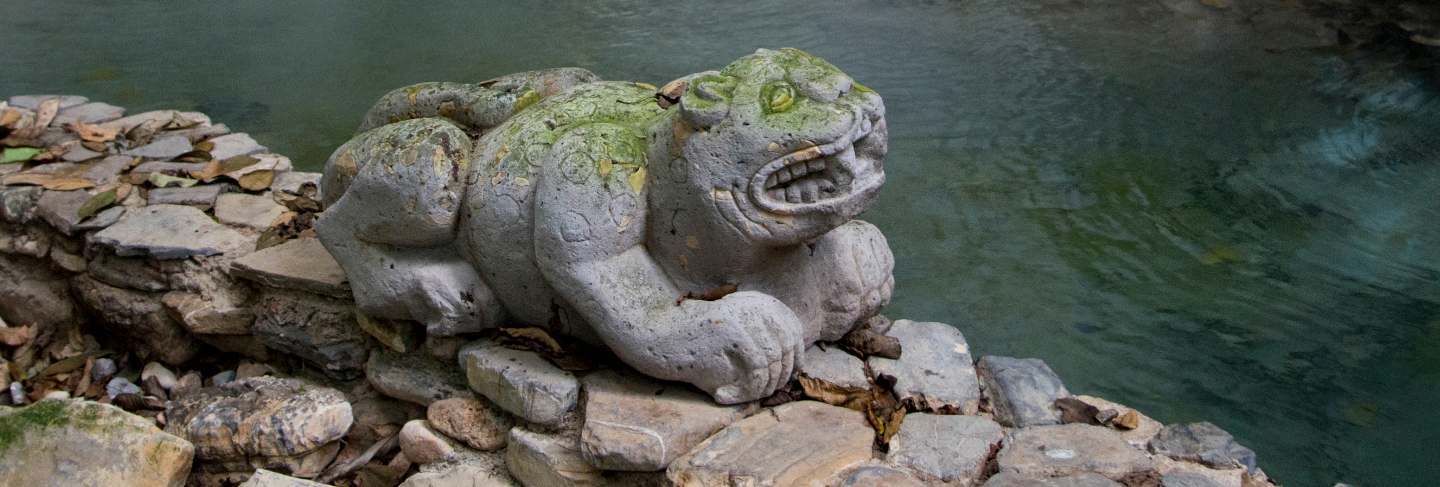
794 171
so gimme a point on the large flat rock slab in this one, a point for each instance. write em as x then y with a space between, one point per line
634 423
539 459
799 443
521 382
301 264
231 145
82 443
935 366
1022 391
247 210
1009 479
1203 443
946 449
169 232
1071 449
260 416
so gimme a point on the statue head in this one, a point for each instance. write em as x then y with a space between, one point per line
786 145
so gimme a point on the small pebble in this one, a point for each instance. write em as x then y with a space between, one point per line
422 445
223 378
188 383
103 369
120 385
164 376
17 394
248 369
61 395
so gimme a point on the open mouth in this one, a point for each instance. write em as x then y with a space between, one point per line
814 177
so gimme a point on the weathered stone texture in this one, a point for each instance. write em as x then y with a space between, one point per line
520 382
799 443
634 423
81 443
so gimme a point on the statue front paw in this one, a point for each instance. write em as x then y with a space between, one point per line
859 272
751 343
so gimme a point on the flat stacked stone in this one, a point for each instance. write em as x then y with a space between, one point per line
1072 449
634 423
521 382
935 369
169 232
1022 392
414 377
302 264
799 443
946 449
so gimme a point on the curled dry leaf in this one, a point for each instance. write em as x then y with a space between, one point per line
43 116
846 397
50 181
143 133
10 117
92 132
536 336
194 156
257 181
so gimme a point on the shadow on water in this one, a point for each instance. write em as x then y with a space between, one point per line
1219 210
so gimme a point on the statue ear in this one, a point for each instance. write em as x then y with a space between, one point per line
704 98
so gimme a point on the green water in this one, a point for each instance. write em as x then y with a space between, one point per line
1195 212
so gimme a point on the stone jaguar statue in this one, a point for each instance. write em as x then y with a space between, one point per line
624 216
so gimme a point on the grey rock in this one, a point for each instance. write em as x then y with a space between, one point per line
34 294
1022 391
201 197
935 365
247 210
1057 451
162 375
266 478
302 264
17 393
833 365
473 421
231 145
290 181
170 168
135 273
1188 479
555 223
259 417
137 316
162 148
422 444
538 459
461 475
520 382
92 112
1138 437
79 153
169 232
26 241
1203 443
878 476
206 316
1011 479
633 423
17 203
68 261
222 378
64 442
319 330
103 369
201 132
948 449
61 210
415 377
798 443
32 102
120 385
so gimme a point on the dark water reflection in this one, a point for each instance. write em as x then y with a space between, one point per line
1174 210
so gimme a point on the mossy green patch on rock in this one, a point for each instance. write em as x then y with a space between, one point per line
54 414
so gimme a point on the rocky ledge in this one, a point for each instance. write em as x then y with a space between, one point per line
167 318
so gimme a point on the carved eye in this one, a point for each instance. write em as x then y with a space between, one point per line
778 96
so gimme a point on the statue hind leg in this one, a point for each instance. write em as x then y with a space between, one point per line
392 198
476 106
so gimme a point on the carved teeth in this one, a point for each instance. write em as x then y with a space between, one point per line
792 193
809 190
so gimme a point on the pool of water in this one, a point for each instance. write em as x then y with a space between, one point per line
1208 214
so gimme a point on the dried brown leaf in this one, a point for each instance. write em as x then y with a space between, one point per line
9 117
835 395
257 181
92 132
537 336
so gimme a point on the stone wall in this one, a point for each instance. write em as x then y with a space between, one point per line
194 295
